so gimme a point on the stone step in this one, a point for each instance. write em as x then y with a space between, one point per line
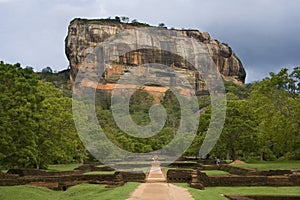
155 174
156 180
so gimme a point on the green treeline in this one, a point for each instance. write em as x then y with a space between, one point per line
36 124
263 119
37 127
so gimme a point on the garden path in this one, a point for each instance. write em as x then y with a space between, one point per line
156 187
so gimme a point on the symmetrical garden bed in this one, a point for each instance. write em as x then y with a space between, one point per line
61 180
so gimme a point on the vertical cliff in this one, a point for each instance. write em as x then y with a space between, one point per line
83 34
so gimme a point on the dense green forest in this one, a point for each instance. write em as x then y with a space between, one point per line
37 127
36 124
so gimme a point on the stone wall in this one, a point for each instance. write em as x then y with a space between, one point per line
237 181
58 181
270 172
260 197
237 170
136 176
179 176
209 167
184 165
50 179
130 166
93 167
37 172
248 171
210 161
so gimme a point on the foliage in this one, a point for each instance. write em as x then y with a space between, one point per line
276 103
19 106
140 103
37 128
135 22
104 20
238 138
58 79
161 25
125 19
241 91
262 120
36 123
117 18
47 70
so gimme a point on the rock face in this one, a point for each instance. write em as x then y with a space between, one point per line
84 34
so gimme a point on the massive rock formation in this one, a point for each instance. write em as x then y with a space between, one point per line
84 34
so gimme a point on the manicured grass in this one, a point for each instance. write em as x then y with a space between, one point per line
144 169
26 192
135 162
140 162
272 165
100 172
208 172
93 192
214 193
61 167
215 172
168 168
78 192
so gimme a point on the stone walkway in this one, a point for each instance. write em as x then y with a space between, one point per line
156 187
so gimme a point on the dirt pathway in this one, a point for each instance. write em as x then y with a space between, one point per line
156 187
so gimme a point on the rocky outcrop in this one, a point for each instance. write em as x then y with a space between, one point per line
84 34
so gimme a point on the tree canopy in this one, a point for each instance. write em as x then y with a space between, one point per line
37 128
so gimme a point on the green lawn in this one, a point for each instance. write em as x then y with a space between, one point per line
100 172
214 193
268 165
168 168
143 169
215 172
208 172
61 167
135 162
78 192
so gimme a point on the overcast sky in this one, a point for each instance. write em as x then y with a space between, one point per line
263 33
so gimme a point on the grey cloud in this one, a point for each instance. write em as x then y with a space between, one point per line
263 33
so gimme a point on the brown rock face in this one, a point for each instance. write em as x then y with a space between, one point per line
84 34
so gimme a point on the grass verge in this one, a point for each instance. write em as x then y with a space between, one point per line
214 193
100 172
78 192
272 165
61 167
215 172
